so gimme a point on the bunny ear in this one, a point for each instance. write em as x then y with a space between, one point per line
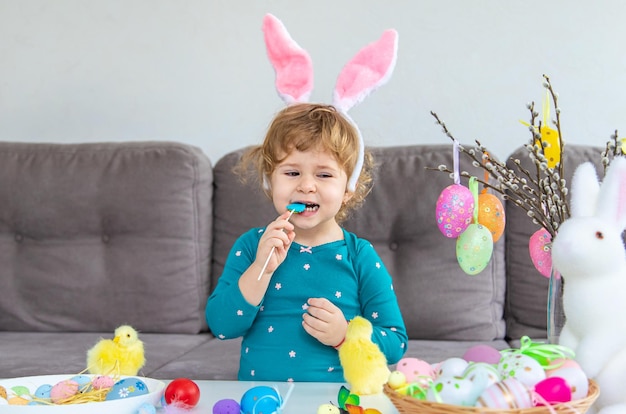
292 64
370 68
585 189
612 199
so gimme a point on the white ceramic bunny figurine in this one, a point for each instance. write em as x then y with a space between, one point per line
589 252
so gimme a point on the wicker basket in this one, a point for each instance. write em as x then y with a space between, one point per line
410 405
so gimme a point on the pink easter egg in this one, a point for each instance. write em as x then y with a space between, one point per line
63 390
482 353
415 370
507 394
455 209
553 390
540 251
575 378
101 382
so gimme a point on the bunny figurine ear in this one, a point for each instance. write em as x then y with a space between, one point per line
612 198
292 64
585 189
370 68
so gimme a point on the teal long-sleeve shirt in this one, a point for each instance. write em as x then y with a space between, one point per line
275 346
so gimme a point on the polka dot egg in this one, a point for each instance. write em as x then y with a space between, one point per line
521 367
455 208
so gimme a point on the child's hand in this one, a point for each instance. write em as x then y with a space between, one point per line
325 322
278 234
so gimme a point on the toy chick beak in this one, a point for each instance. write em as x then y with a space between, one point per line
116 339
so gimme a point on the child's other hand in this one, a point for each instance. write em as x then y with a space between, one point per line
278 234
325 322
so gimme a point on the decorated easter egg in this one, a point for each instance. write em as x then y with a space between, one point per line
452 367
415 370
327 409
102 381
521 367
507 394
455 209
228 406
482 353
15 400
453 390
43 392
63 390
482 373
83 382
396 379
539 247
182 391
474 248
575 378
553 390
146 408
491 214
261 399
127 388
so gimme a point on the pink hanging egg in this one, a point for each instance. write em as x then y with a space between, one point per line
553 390
455 209
539 247
507 394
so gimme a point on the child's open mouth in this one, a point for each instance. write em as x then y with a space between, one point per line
311 207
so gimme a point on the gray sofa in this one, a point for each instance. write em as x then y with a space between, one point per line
93 236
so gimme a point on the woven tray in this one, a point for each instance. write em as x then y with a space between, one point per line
410 405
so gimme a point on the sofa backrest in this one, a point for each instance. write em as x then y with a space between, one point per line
93 236
438 300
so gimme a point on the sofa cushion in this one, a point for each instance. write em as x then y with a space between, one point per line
398 218
527 289
93 236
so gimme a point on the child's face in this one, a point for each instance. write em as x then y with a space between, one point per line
314 178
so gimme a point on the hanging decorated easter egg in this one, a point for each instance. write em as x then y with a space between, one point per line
126 388
474 248
553 390
491 214
575 378
455 208
539 247
228 406
508 394
182 391
415 370
521 367
482 353
261 399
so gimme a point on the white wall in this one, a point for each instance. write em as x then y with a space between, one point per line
196 70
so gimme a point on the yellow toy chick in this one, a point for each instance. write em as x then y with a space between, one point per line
122 355
364 365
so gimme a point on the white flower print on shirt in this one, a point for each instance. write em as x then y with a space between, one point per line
337 294
374 315
239 312
292 354
278 286
307 266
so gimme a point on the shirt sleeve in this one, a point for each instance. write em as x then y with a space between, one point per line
228 313
379 303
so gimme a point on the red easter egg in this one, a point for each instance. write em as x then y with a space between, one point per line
553 390
182 391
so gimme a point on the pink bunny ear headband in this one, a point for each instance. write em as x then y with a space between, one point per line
370 68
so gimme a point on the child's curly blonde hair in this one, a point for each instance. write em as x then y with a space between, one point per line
304 127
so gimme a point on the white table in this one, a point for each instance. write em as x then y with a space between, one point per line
304 398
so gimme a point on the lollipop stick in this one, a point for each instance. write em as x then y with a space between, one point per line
269 256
